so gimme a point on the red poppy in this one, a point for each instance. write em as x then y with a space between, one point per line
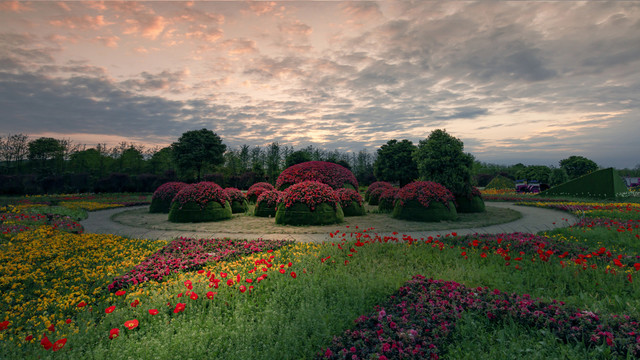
282 271
131 324
180 295
484 255
629 278
68 321
81 304
135 303
120 292
289 264
210 294
243 288
230 282
179 308
59 344
28 338
200 271
293 274
4 325
110 309
114 333
224 275
52 328
637 266
193 296
153 311
46 343
188 284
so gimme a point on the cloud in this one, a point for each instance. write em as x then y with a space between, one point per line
84 22
260 8
295 28
109 41
14 6
166 80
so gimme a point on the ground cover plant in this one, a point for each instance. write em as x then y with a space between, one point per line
575 292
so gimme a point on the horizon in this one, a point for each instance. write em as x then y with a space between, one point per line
517 82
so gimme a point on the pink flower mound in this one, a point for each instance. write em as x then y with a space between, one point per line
425 192
328 173
254 193
310 193
264 185
201 193
235 194
378 184
269 199
346 196
168 191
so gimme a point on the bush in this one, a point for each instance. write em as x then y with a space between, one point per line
351 202
425 201
471 203
334 175
267 203
163 196
387 199
309 203
376 185
238 200
204 201
374 195
256 189
501 182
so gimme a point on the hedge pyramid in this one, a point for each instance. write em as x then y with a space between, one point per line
605 183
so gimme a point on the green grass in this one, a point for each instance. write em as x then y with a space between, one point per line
76 214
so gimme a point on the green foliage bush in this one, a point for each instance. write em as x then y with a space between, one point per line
425 201
267 203
204 201
309 203
605 183
163 196
351 202
387 200
239 203
501 182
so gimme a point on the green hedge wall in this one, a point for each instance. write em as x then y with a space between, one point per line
191 212
300 214
414 211
602 184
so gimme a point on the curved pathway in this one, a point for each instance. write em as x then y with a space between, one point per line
533 220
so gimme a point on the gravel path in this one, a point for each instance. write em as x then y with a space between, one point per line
533 220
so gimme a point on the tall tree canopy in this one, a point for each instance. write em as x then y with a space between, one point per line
395 162
197 148
576 166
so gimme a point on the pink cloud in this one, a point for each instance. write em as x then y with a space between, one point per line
147 25
202 32
240 46
81 22
109 41
261 8
14 6
295 28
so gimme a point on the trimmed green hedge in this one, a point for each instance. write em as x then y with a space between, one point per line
414 211
191 212
238 207
160 206
300 214
354 209
473 205
605 183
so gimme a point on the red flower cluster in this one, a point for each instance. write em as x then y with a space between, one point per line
257 189
201 193
346 196
235 195
310 193
377 185
263 185
328 173
269 199
425 192
168 191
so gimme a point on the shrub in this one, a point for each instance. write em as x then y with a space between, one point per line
501 182
387 199
164 194
238 200
204 201
425 201
376 185
351 202
471 203
309 203
256 189
334 175
267 203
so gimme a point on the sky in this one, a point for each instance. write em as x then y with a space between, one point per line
517 82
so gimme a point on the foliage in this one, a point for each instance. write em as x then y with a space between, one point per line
425 192
501 182
605 183
334 175
538 173
395 162
350 201
558 176
309 203
264 185
471 203
374 195
163 196
577 166
310 193
297 157
197 148
201 194
267 203
387 199
238 200
440 158
374 186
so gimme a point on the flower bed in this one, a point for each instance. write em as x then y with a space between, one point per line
238 200
425 201
334 175
309 203
376 185
387 199
267 203
472 203
256 189
163 196
204 201
351 202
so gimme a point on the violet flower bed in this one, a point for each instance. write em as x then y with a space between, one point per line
417 321
186 254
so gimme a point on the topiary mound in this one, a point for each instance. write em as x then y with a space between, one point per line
425 201
351 202
501 182
256 189
204 201
387 199
238 200
376 185
374 195
471 203
334 175
267 203
309 203
164 194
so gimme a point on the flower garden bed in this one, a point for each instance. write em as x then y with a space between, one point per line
163 196
201 202
424 201
309 203
334 175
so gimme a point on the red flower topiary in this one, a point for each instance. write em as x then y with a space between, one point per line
387 198
235 194
164 194
310 193
346 196
269 199
377 185
425 192
201 193
265 185
334 175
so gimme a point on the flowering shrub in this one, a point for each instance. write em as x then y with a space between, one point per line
164 194
238 200
374 195
265 185
204 201
376 185
257 189
350 201
310 193
425 201
201 194
307 203
267 203
334 175
471 202
425 192
387 199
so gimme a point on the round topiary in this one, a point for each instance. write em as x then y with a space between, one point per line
256 189
164 194
376 185
425 201
471 203
204 201
267 203
351 202
501 182
334 175
309 203
238 200
387 199
374 195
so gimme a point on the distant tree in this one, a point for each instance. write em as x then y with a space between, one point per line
245 158
273 162
297 157
395 162
539 173
131 160
160 161
558 176
85 161
577 166
441 158
196 149
258 160
363 167
47 153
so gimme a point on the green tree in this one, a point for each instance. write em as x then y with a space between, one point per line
558 176
131 160
47 153
297 157
197 148
441 158
85 161
540 173
273 162
577 166
395 162
160 161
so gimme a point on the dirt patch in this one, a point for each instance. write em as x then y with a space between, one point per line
249 224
